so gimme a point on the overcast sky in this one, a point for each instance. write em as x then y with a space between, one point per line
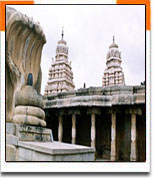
88 30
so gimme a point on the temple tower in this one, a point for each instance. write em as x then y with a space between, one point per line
60 73
113 74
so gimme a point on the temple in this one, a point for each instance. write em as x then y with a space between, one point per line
60 74
113 74
110 118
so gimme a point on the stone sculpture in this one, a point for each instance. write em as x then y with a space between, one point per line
29 106
24 43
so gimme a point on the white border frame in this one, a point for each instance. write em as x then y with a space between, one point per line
76 167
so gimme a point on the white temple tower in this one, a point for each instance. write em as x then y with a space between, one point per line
113 74
60 74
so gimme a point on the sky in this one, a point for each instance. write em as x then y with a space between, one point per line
88 31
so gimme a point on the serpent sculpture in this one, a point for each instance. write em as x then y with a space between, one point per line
24 43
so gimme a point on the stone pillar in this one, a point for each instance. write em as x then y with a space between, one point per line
93 129
60 128
93 111
73 128
133 112
133 137
113 137
74 112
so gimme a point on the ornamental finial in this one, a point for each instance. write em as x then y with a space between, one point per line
113 39
62 33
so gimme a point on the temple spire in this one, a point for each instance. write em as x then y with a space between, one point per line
113 74
62 33
60 73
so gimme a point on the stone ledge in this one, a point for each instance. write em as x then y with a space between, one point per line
55 148
108 90
54 151
95 100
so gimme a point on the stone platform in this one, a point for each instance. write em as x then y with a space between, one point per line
54 151
28 133
31 143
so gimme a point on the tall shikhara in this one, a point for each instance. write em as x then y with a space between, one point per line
113 74
60 74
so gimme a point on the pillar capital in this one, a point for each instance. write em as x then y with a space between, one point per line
73 111
113 110
131 110
93 110
61 112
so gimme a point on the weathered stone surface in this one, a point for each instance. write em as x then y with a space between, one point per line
28 96
24 42
27 133
30 110
31 143
11 152
54 151
28 120
139 98
12 139
37 85
11 128
28 107
101 96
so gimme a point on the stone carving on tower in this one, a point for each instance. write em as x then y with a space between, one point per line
60 74
113 74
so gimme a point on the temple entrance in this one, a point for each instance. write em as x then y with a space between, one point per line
103 136
123 137
141 138
52 123
83 129
67 128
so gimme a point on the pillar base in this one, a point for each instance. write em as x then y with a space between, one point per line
133 158
113 158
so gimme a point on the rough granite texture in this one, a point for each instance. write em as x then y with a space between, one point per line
97 96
